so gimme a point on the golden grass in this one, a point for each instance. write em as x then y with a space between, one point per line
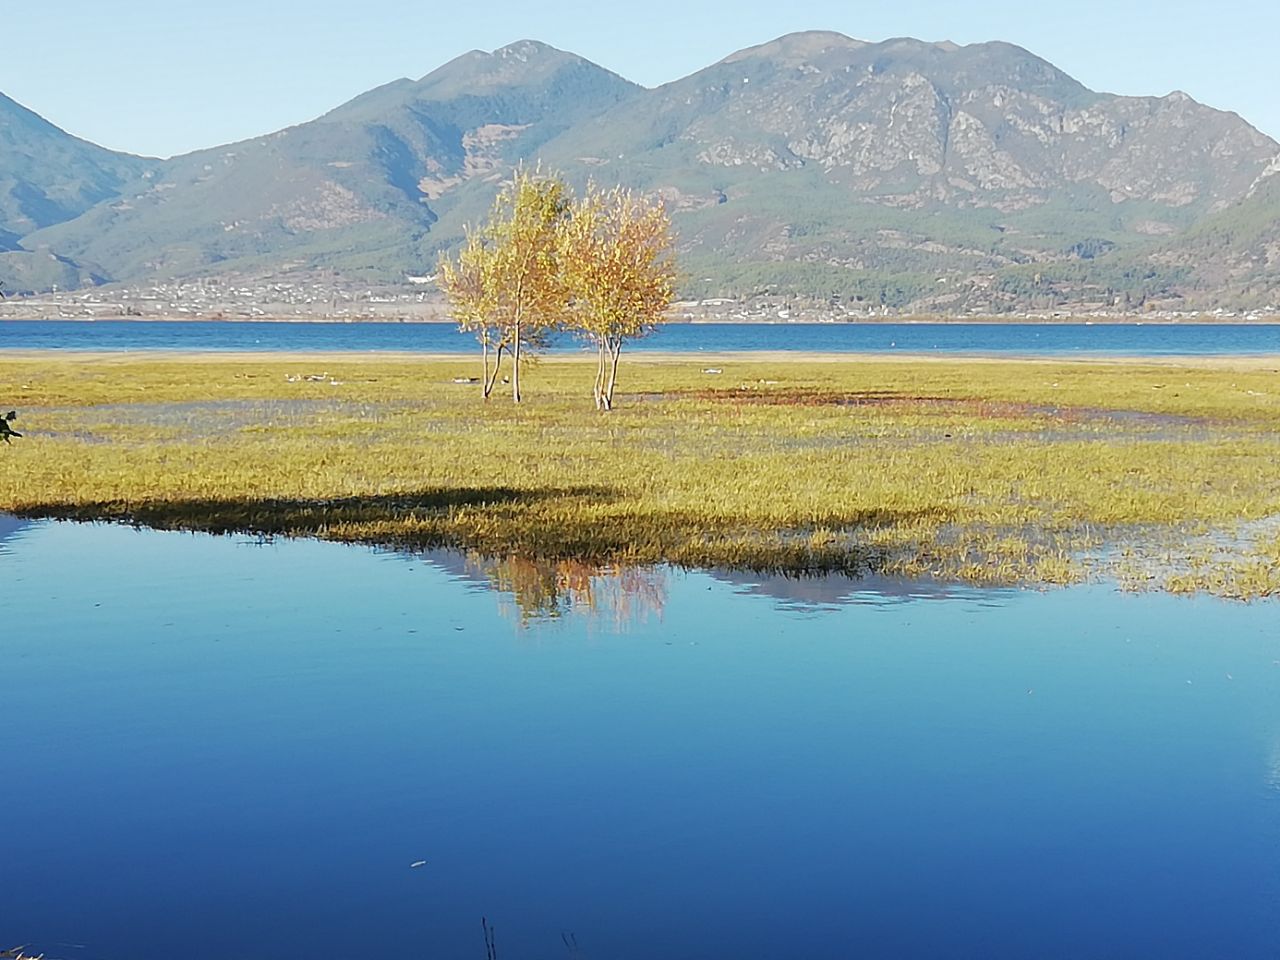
993 472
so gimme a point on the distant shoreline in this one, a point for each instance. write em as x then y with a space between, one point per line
1083 320
1240 362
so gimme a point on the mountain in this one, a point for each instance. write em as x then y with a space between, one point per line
48 177
918 175
825 164
1232 258
353 189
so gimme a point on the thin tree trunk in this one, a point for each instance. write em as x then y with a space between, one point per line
484 369
492 378
615 350
597 392
518 326
515 373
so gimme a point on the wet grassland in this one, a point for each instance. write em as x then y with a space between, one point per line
1161 475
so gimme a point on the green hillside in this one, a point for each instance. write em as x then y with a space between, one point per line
902 174
353 189
48 177
1232 258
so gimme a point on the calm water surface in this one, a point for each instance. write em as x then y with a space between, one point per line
216 748
1000 339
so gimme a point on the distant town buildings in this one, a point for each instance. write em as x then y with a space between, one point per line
417 300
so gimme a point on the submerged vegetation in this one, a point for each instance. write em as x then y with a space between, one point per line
987 471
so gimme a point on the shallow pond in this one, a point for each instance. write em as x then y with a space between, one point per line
215 747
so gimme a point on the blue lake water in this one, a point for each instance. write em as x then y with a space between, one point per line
1004 339
214 747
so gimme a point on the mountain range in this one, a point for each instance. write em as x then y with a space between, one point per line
913 175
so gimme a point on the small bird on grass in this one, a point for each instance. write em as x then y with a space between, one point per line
7 431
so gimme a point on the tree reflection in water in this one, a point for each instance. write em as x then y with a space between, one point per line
546 589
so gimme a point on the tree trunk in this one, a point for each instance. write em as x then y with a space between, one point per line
484 368
491 378
515 363
597 391
615 351
518 329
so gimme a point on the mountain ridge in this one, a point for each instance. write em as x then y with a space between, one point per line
814 164
48 176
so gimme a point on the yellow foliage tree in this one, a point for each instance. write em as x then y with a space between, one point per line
506 286
619 270
473 296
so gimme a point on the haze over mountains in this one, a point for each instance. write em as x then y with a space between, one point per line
916 175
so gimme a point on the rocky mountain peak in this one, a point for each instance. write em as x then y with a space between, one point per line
526 50
525 62
794 48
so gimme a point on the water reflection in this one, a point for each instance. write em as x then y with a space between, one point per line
619 596
11 528
816 594
616 596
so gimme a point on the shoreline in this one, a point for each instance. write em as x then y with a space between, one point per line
1268 361
1083 320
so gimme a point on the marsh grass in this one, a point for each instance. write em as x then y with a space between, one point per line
990 472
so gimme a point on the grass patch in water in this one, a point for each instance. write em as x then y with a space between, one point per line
985 471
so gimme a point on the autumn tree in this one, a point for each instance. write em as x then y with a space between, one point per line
619 270
506 286
472 294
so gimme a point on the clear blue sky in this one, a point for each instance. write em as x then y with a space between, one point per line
164 76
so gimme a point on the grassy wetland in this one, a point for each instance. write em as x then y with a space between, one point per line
1161 474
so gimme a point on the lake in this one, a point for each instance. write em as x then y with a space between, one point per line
986 339
220 747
